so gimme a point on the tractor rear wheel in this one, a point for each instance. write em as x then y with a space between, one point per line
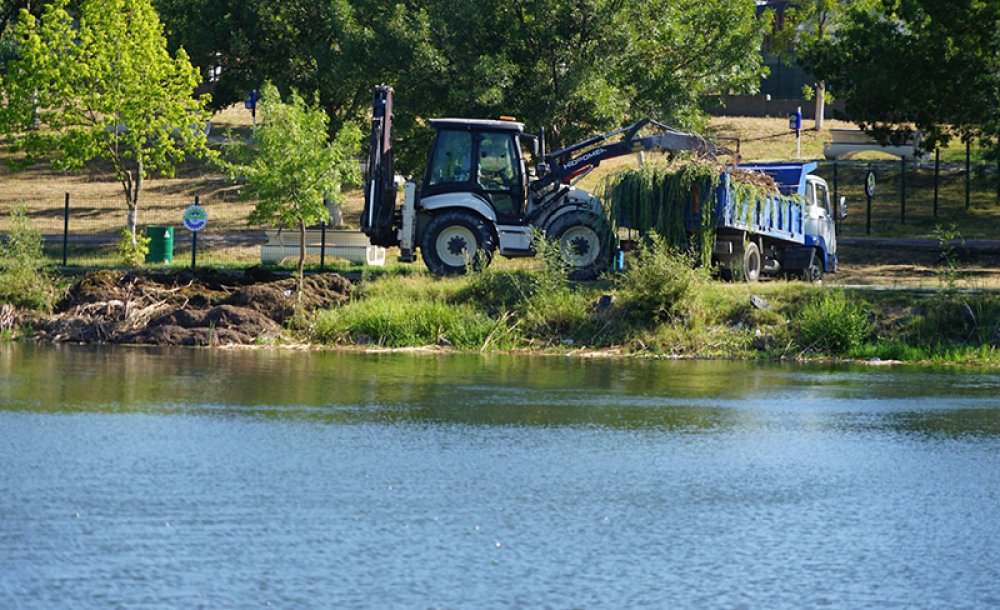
585 241
455 241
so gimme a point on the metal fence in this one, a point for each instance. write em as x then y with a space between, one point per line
915 197
85 231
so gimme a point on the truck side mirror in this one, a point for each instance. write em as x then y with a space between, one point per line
843 207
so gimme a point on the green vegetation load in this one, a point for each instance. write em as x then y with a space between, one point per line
668 200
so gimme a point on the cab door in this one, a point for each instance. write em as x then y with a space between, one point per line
500 174
819 225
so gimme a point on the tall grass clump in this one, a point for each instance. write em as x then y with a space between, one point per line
952 244
957 320
661 282
393 322
24 281
552 308
833 324
542 303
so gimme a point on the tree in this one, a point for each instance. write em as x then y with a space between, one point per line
101 85
292 168
927 64
574 66
809 24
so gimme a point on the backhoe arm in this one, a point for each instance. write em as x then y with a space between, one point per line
595 151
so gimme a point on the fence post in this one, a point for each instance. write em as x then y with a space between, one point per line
322 247
868 212
194 242
836 196
968 170
65 230
902 190
937 176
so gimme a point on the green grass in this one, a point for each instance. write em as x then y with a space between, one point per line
655 309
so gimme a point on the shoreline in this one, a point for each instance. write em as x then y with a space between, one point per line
519 312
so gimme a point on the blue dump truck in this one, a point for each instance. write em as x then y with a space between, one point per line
791 233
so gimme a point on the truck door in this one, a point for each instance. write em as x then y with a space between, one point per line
819 221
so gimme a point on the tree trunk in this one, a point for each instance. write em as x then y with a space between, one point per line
133 186
302 257
133 217
820 104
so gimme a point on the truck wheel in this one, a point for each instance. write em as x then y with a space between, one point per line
814 272
452 241
751 262
585 241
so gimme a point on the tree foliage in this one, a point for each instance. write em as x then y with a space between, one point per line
932 64
291 168
574 66
100 84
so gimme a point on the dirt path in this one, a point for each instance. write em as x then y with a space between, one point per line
912 262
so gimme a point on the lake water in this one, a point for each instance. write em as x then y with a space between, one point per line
135 478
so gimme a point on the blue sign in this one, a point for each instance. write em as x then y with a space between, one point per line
795 120
195 218
251 102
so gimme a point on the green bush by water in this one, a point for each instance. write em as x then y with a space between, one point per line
833 324
957 320
24 282
660 283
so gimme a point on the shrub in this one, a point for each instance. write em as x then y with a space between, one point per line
660 282
833 324
24 281
499 290
133 248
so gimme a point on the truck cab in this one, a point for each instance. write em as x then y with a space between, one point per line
820 221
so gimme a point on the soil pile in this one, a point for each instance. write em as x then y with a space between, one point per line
204 307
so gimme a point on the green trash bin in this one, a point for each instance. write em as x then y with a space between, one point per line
161 244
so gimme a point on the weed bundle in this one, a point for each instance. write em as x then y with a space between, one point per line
680 202
665 200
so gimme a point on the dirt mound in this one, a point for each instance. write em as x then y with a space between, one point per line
203 307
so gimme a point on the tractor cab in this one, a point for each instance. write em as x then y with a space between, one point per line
480 157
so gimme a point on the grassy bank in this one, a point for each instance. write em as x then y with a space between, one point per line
662 307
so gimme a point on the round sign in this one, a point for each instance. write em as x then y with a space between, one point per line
870 183
195 218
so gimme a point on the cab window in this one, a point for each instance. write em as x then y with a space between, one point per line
822 200
496 162
452 160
